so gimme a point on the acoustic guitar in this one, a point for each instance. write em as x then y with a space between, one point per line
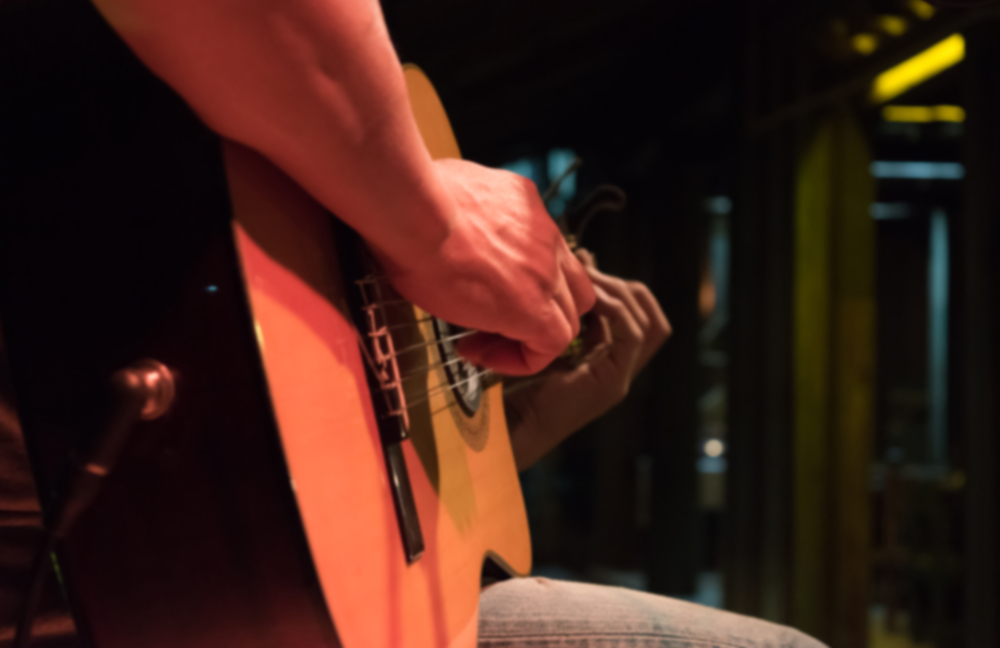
449 430
427 416
331 473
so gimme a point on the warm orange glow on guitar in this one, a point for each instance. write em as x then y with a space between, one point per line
457 455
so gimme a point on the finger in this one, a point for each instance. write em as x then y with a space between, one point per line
586 257
659 329
623 291
596 331
503 355
567 309
577 279
625 332
659 324
493 352
534 361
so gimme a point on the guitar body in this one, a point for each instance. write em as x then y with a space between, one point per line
461 467
264 509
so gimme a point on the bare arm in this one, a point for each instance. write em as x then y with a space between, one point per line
271 74
316 86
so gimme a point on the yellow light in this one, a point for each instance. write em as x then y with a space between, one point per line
914 71
922 9
864 44
892 25
714 448
950 114
918 114
923 114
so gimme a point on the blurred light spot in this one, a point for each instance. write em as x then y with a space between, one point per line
714 448
937 325
523 167
211 289
914 71
559 161
889 211
922 9
719 205
892 25
864 44
923 114
918 170
706 293
712 465
917 114
950 113
956 481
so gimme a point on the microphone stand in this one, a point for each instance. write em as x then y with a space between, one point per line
143 392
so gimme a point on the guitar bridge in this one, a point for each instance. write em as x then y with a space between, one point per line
384 357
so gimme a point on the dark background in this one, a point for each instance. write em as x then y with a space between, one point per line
702 111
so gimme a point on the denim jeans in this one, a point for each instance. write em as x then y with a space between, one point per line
540 612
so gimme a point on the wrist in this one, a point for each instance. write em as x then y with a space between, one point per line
423 222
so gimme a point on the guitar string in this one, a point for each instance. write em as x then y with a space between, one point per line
426 368
372 365
378 281
446 388
396 302
379 303
431 393
423 320
424 345
443 388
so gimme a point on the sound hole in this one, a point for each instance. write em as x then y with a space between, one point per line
463 377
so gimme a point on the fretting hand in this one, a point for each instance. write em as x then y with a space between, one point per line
629 328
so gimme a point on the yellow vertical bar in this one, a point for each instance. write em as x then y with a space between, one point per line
833 371
853 383
812 376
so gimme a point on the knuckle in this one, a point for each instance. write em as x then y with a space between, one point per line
637 286
617 305
634 333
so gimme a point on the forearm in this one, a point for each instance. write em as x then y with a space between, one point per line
314 85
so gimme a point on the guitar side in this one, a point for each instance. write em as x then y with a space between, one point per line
467 495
